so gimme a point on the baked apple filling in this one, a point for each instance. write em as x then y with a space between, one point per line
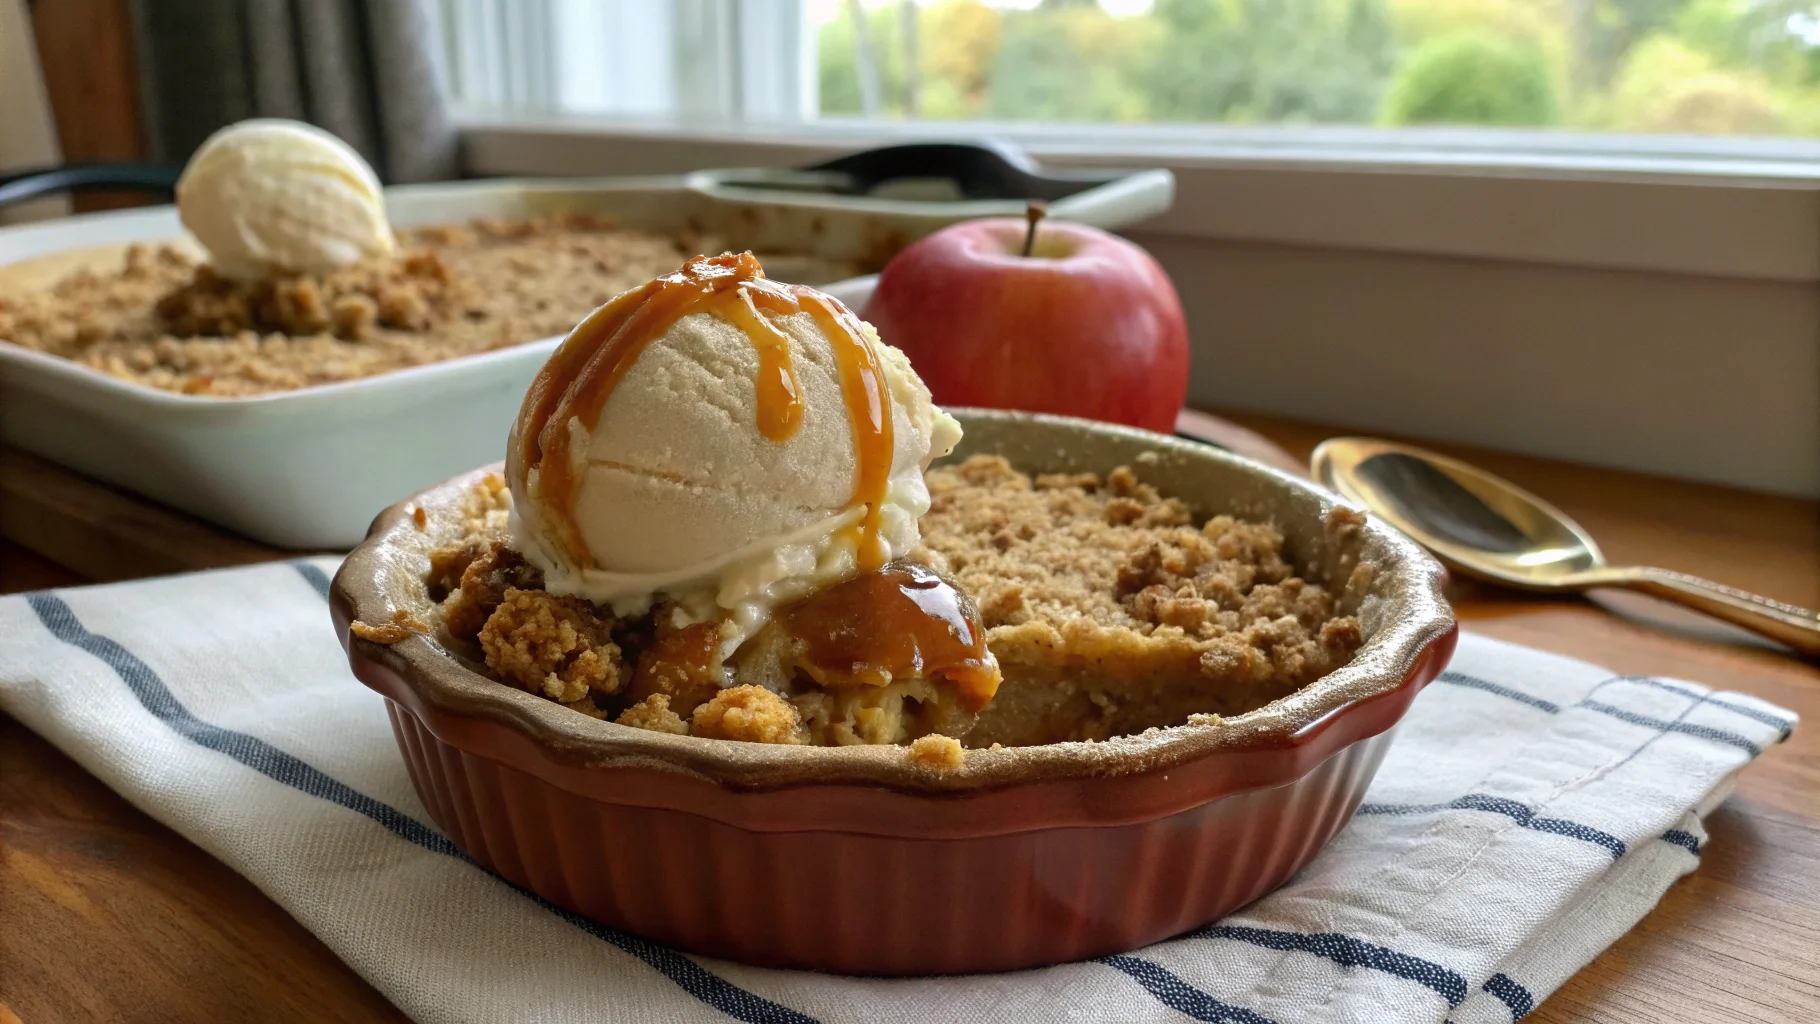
884 657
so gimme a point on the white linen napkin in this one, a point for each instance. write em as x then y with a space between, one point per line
1531 810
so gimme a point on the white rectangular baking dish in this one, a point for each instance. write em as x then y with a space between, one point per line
308 469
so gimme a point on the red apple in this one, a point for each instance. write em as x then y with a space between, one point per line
1087 325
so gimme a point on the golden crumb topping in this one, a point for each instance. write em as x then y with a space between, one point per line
561 647
1065 547
403 624
1043 549
1112 611
163 319
654 713
750 713
937 751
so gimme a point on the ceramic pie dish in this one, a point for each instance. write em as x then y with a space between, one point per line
856 859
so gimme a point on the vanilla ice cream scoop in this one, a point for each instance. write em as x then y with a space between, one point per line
724 440
271 196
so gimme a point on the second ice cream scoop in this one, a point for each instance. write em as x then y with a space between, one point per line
271 196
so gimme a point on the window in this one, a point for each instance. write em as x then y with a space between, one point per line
729 59
1584 229
1706 67
1727 67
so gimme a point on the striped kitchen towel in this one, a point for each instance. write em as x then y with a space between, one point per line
1531 810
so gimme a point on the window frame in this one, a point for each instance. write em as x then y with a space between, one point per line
1737 208
1649 304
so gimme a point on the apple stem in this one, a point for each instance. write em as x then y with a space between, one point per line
1036 211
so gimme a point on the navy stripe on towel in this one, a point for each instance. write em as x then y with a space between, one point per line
1474 682
1682 838
1170 990
1705 732
1511 994
1348 952
316 577
1511 809
275 764
1785 725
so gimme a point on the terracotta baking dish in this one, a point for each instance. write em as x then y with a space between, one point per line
851 859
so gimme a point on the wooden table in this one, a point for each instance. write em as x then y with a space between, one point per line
105 914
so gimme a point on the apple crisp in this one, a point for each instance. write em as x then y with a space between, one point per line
162 318
1109 608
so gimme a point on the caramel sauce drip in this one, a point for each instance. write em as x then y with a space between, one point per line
903 620
780 400
862 384
579 378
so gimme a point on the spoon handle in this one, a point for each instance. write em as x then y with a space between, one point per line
1797 627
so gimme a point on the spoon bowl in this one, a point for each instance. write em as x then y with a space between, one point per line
1484 526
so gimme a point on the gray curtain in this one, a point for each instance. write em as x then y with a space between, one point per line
363 69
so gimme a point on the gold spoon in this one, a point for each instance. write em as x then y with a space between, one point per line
1490 528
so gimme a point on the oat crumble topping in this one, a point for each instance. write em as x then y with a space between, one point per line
164 319
557 646
750 713
937 751
1106 599
654 713
1109 610
403 624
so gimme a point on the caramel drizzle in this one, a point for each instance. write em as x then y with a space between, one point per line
585 369
780 400
862 385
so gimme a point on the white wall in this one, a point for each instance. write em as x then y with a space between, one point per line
1709 378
